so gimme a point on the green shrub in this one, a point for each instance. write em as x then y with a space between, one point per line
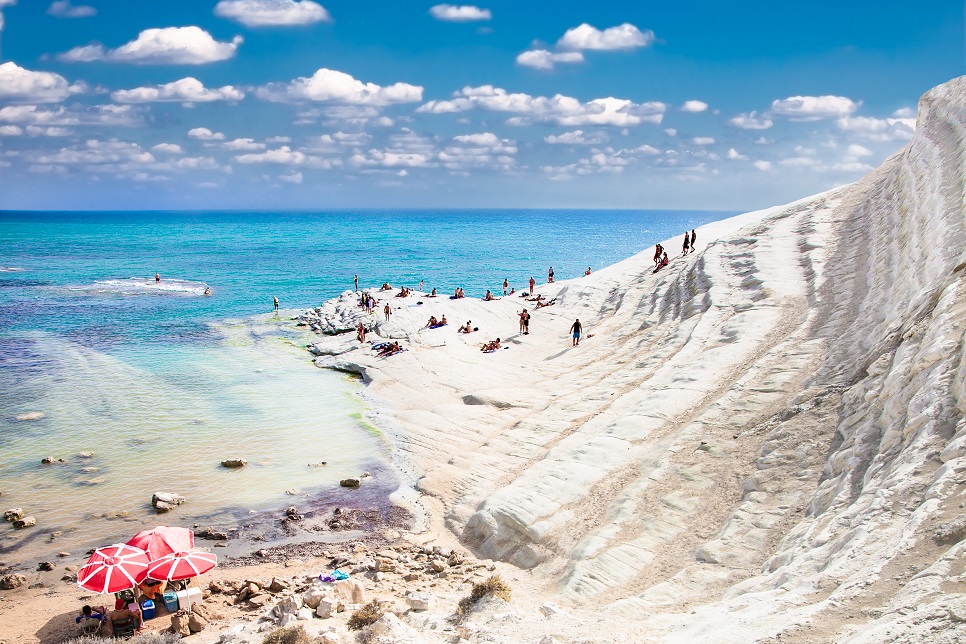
368 614
288 635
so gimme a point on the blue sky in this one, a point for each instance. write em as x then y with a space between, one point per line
295 104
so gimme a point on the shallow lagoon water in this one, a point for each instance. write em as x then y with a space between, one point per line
162 382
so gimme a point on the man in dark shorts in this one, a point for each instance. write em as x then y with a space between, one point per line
694 238
687 243
276 303
576 329
526 323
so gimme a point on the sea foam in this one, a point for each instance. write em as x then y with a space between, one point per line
144 286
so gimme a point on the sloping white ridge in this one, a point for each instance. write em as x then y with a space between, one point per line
763 438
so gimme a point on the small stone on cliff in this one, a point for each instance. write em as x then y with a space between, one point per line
233 463
350 482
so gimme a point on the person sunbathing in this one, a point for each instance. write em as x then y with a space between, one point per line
489 296
389 349
492 345
466 328
403 292
587 272
433 294
432 321
386 287
442 321
540 305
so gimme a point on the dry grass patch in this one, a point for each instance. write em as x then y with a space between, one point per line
288 635
365 616
491 586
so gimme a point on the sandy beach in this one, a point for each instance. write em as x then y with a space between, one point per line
763 441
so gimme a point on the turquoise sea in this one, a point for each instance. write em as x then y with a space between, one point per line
161 382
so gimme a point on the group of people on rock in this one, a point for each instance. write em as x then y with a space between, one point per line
434 323
689 242
458 294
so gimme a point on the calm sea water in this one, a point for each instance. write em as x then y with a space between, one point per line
162 382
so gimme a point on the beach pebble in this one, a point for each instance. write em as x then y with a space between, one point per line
45 566
9 582
420 601
350 482
26 522
13 514
234 462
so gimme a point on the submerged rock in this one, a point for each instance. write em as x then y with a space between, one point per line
166 501
26 522
13 514
233 463
350 482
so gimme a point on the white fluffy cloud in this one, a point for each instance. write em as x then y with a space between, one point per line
856 150
694 106
167 46
459 13
186 90
295 177
328 85
560 109
734 155
751 121
813 108
64 9
168 148
119 115
204 134
484 149
93 152
577 137
764 166
272 13
703 140
625 36
284 156
19 85
543 59
11 130
243 144
875 129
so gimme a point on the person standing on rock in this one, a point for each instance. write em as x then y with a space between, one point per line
533 283
523 316
157 278
687 244
356 282
387 311
550 276
694 238
420 286
506 285
576 329
526 322
276 304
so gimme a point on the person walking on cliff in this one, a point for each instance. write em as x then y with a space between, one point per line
275 299
550 276
387 311
533 283
687 244
575 329
694 238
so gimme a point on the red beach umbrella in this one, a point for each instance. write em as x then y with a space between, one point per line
163 540
114 568
182 565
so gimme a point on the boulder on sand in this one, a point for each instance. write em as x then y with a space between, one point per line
233 463
350 482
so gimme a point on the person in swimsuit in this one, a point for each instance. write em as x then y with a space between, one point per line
694 238
526 323
576 328
550 276
387 311
356 281
276 304
532 283
506 285
687 244
157 278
